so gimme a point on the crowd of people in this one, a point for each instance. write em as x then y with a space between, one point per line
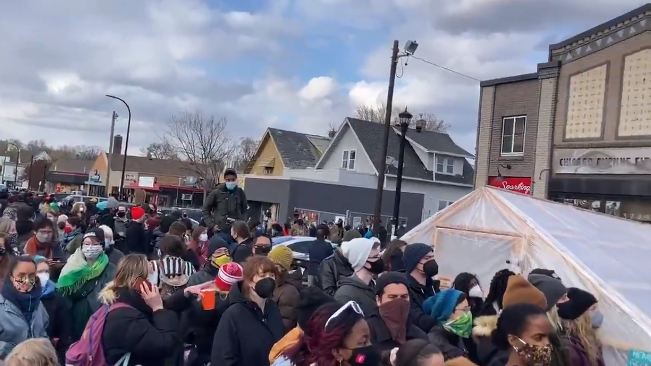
115 286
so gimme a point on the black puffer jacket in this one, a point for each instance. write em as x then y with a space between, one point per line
332 269
417 295
245 334
151 337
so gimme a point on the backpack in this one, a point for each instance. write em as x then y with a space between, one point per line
88 350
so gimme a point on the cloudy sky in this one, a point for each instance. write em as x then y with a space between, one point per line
293 64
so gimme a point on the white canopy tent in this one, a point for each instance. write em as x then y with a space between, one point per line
491 229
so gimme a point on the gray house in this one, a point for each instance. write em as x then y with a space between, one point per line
343 179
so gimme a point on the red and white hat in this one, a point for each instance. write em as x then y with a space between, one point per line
229 274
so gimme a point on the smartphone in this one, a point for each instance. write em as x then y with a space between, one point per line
139 282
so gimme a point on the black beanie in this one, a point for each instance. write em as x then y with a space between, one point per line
413 254
309 300
580 301
388 278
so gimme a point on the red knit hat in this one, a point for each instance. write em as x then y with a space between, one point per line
137 212
229 274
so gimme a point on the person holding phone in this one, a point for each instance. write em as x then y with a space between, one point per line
143 327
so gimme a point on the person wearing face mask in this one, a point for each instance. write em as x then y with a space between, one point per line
198 243
58 308
261 244
286 293
523 331
243 248
226 201
420 268
6 258
336 334
41 243
391 327
61 226
252 324
73 234
120 226
109 246
469 285
454 322
82 278
580 320
22 316
8 230
364 256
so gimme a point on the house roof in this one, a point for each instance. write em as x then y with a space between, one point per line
298 150
72 166
145 165
370 134
436 141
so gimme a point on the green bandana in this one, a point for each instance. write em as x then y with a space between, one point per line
72 281
461 326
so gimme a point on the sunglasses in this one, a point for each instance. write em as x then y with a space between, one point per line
349 305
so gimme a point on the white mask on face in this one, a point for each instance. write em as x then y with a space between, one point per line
203 237
476 292
91 252
43 277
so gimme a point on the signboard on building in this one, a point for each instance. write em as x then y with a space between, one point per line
602 161
514 184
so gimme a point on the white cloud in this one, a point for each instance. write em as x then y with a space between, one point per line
318 88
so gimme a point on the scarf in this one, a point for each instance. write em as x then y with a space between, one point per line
26 302
67 237
32 248
77 272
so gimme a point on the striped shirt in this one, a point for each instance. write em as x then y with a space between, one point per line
169 266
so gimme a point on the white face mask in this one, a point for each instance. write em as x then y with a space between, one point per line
43 277
476 292
91 251
203 237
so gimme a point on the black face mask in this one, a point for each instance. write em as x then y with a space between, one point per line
376 267
265 287
121 214
368 355
2 252
431 268
262 250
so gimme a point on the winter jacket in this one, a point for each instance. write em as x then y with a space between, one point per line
234 343
417 295
59 327
332 269
352 288
242 251
381 337
114 255
286 296
75 243
285 343
451 345
222 204
487 353
149 336
14 328
578 354
136 239
319 250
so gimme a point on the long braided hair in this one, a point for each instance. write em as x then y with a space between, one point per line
497 288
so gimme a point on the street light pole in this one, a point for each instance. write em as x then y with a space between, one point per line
405 119
377 213
126 144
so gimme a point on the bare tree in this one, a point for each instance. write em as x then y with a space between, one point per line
84 152
204 142
244 152
161 150
378 113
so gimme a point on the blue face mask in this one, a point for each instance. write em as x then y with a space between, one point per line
597 318
231 185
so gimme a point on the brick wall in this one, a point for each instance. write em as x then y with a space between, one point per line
547 106
482 154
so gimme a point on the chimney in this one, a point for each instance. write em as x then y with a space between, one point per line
332 134
117 145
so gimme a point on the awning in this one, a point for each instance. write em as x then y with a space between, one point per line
267 163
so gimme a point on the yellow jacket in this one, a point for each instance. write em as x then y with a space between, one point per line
284 343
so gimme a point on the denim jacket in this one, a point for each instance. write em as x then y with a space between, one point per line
14 328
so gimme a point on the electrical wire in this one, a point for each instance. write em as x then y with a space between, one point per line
444 68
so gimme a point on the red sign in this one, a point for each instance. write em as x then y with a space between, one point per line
514 184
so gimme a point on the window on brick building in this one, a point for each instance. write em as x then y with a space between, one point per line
513 130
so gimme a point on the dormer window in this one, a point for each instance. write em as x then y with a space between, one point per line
444 165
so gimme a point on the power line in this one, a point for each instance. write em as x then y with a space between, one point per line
444 68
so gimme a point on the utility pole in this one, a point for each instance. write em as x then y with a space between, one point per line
377 214
110 155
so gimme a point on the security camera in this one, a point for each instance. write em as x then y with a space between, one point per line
411 47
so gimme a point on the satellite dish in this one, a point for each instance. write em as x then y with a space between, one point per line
390 160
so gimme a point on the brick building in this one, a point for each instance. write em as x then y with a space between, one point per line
579 129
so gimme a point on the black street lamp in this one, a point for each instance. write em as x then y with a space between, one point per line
404 121
126 145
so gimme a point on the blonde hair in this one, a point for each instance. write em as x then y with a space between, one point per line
581 328
130 268
33 352
552 314
76 208
5 225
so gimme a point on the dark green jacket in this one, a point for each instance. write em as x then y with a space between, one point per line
222 203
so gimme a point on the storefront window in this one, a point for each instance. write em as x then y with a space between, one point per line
638 210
